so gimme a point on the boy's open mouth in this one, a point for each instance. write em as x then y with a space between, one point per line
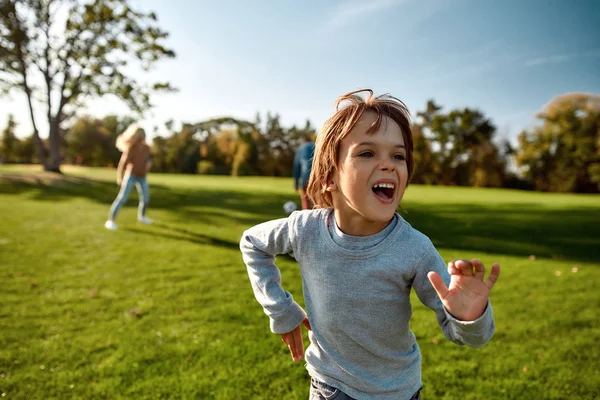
384 191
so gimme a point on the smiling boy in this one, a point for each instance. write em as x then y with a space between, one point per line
359 261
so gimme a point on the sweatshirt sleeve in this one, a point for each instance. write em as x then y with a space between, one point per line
259 246
471 333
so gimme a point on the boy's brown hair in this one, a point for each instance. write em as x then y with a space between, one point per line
349 109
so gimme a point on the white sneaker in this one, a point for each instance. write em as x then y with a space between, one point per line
145 220
110 225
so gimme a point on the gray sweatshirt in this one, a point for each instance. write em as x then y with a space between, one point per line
357 297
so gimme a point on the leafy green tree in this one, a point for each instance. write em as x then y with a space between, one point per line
84 57
245 160
159 154
274 148
183 150
25 152
229 146
456 148
426 171
431 110
460 134
562 154
88 142
488 166
277 145
226 142
10 142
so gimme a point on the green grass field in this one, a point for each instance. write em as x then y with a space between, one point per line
166 311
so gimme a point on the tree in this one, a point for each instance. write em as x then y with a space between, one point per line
245 160
228 146
64 61
159 154
456 148
461 132
26 151
488 166
183 150
563 153
276 146
88 142
426 171
10 142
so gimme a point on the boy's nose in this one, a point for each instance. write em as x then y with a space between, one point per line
386 166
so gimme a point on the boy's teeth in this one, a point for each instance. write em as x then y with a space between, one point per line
384 185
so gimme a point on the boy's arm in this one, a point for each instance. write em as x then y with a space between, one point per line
473 333
259 246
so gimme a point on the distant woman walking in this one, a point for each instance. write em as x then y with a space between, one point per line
133 167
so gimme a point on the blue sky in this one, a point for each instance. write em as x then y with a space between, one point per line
507 58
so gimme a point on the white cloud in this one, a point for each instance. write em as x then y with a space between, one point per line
554 59
560 58
352 11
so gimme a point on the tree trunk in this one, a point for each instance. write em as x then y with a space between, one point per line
39 145
38 141
54 140
36 135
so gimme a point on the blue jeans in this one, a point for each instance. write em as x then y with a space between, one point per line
141 186
322 391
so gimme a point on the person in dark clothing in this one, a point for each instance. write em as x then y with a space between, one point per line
302 167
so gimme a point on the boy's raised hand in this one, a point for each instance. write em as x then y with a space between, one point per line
294 341
467 296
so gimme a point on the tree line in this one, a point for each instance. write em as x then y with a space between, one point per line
99 38
457 147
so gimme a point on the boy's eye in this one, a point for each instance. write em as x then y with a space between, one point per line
399 156
366 154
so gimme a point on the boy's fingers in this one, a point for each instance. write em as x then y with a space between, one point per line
306 324
479 269
294 342
452 270
465 267
297 347
438 284
287 338
494 274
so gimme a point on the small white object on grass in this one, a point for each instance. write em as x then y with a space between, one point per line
110 225
289 207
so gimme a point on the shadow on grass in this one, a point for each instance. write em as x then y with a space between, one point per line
511 228
519 229
191 237
187 203
170 232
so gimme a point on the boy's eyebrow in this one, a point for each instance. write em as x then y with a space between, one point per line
373 144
